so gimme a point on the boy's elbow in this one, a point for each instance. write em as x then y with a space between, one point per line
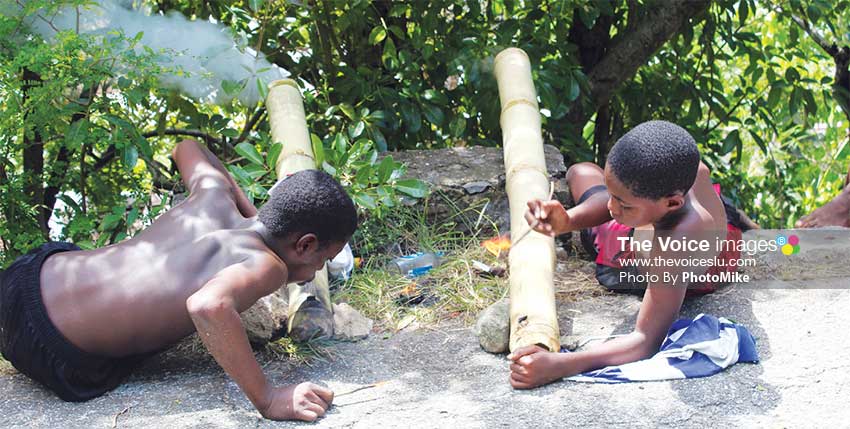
206 307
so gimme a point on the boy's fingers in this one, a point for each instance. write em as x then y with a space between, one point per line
519 383
518 369
306 415
316 408
525 360
314 398
522 351
326 394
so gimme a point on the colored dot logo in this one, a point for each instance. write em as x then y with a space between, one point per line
788 245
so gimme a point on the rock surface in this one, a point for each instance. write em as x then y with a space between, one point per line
493 327
349 324
466 180
266 319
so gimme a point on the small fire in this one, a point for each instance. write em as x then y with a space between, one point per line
496 245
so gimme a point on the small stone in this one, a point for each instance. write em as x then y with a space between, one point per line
494 328
473 188
349 324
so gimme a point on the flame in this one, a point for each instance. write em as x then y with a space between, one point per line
496 245
409 289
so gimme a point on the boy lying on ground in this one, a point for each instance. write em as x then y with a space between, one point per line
80 321
655 188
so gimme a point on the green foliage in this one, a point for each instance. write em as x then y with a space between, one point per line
85 121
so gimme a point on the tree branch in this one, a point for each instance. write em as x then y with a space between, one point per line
631 49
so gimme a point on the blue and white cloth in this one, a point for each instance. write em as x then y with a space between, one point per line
694 348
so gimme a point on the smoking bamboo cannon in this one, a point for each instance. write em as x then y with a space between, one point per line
289 127
532 260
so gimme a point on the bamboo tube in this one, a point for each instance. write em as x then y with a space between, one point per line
289 127
532 260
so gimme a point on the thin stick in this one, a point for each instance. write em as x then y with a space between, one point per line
115 420
536 221
368 386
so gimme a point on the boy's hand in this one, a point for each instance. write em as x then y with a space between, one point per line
547 217
305 401
534 366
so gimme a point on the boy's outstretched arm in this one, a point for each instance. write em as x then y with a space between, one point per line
214 309
200 169
533 366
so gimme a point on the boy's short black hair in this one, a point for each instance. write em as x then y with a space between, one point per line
310 201
655 159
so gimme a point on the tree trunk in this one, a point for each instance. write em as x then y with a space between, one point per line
34 158
631 49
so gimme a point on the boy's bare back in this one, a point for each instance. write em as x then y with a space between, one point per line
130 297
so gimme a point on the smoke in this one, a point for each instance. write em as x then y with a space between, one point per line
203 54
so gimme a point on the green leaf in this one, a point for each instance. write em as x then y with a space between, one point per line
433 114
143 144
249 152
262 89
380 140
743 12
365 200
759 142
731 141
240 174
774 96
110 221
385 169
129 156
255 171
355 130
132 216
318 149
377 35
388 57
273 154
230 132
231 88
435 97
458 126
575 90
413 187
792 75
348 110
77 133
329 168
340 143
255 5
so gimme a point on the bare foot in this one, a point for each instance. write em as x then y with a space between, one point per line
833 213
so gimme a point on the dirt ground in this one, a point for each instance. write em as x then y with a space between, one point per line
439 377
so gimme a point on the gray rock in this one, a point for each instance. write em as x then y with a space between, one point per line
266 319
493 327
472 188
349 324
465 181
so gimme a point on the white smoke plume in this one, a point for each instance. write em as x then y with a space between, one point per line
205 51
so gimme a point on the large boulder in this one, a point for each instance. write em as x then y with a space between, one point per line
473 178
266 319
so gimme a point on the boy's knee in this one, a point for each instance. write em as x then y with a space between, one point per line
582 169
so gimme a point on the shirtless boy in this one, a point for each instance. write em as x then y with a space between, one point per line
653 185
80 321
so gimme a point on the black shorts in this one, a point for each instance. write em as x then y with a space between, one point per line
33 345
